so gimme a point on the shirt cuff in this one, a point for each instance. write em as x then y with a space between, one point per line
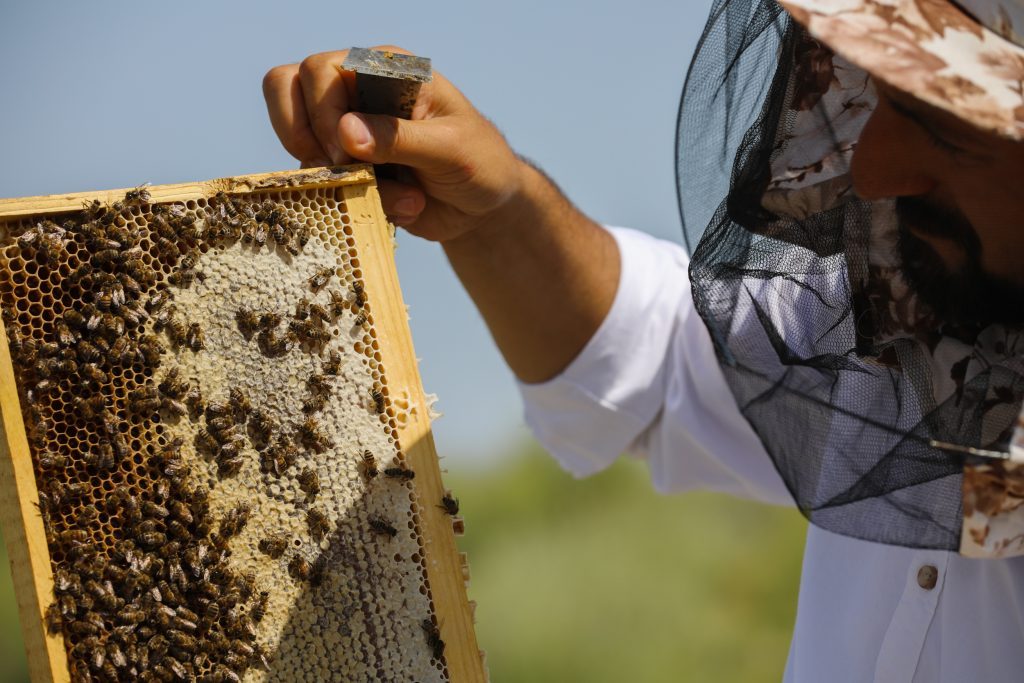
590 414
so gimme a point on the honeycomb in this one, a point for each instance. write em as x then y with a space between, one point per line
215 445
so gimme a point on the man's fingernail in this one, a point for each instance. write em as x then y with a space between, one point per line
360 131
407 206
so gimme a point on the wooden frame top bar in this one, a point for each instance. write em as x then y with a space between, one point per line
286 180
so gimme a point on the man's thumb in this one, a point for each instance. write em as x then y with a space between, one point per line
381 139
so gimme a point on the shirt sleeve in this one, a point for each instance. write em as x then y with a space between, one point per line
648 384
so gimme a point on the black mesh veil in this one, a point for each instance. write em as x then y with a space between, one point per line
845 376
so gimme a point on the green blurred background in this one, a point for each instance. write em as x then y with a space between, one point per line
602 580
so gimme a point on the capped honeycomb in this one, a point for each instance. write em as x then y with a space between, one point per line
216 447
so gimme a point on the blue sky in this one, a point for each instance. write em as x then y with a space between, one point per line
112 94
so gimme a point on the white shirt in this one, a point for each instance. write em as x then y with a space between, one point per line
648 383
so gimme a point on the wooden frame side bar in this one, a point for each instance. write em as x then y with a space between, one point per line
444 563
24 534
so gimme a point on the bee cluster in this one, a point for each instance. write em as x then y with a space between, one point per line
132 444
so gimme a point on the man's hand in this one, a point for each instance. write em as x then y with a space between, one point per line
462 170
542 274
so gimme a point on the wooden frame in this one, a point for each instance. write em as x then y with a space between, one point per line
446 569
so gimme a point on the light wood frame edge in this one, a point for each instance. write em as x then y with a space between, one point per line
285 180
24 535
444 563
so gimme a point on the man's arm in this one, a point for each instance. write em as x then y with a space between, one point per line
542 274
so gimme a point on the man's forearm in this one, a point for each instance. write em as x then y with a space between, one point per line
543 276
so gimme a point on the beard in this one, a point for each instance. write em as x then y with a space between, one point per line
969 295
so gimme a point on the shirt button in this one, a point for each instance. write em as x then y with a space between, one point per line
927 576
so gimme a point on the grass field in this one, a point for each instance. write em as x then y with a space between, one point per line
602 580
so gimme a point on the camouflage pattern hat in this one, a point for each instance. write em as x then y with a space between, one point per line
964 57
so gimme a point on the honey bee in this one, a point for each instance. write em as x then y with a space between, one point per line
309 331
164 316
215 409
229 466
151 539
318 524
111 325
194 399
302 309
119 445
260 234
87 352
158 300
145 400
312 436
151 349
299 568
151 509
369 465
206 442
189 260
320 278
273 546
234 521
334 364
259 609
130 507
400 472
433 638
378 401
380 526
359 295
65 337
177 330
129 284
449 504
319 384
103 459
302 235
180 510
172 386
181 639
53 618
131 615
122 352
87 515
360 320
309 482
240 401
185 278
226 203
275 346
108 257
270 321
38 431
262 425
173 408
138 195
314 403
339 304
279 233
74 537
83 628
318 311
116 656
166 247
195 338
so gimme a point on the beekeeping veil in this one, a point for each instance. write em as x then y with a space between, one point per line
847 377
